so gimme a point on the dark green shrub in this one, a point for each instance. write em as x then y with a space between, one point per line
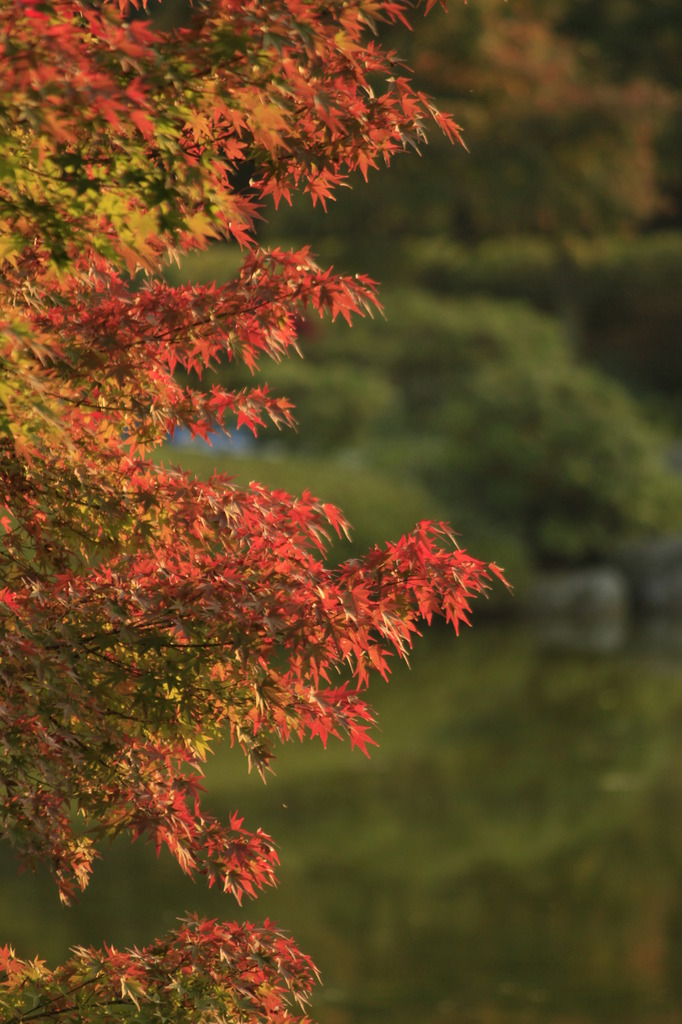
507 427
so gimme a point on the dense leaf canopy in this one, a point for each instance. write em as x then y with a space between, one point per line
144 613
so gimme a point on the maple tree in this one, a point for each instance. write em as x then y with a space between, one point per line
147 613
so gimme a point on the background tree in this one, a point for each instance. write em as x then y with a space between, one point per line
146 613
567 205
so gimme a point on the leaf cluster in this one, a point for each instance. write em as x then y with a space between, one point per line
145 614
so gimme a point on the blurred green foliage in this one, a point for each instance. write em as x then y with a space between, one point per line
501 421
477 410
528 376
619 298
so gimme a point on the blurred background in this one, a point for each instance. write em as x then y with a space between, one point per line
526 381
512 852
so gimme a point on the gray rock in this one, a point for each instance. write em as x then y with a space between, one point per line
600 591
654 573
582 609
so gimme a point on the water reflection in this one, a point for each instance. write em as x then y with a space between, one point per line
511 853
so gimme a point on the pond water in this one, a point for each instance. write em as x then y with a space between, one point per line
512 851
